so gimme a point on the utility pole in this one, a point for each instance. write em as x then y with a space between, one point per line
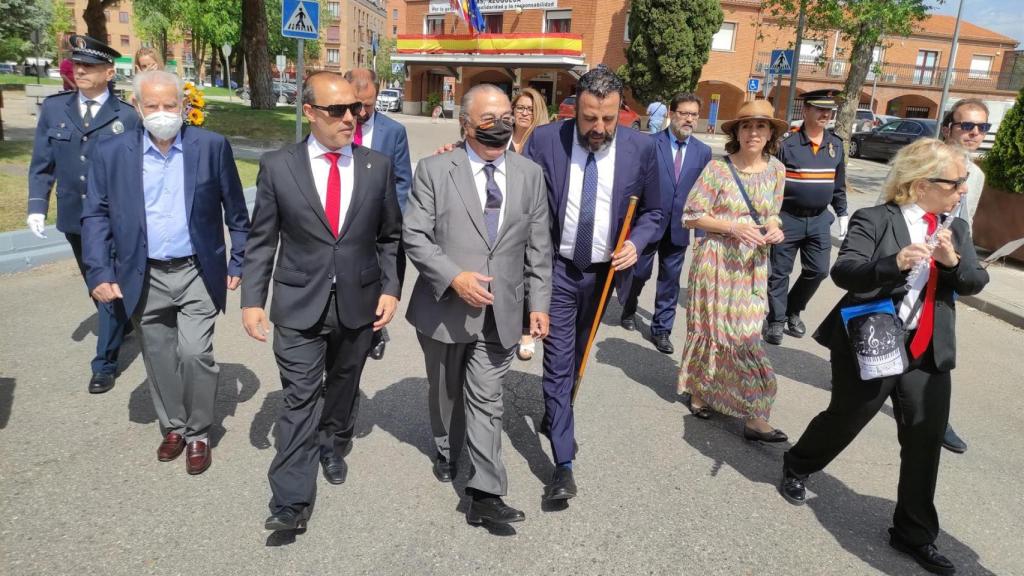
795 65
949 65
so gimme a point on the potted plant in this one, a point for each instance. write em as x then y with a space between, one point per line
1000 217
433 102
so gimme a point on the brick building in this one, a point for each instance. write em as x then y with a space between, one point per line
347 40
547 44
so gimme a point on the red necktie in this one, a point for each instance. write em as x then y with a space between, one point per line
358 138
332 206
923 337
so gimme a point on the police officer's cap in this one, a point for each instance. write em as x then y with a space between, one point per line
827 99
88 50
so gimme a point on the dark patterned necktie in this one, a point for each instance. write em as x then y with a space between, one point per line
87 117
679 158
492 210
585 224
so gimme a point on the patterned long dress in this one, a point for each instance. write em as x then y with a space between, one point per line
724 361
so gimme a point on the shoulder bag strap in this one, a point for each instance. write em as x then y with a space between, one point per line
743 191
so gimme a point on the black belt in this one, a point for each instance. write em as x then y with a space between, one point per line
803 212
173 262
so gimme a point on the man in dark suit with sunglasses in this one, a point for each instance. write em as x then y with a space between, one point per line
332 206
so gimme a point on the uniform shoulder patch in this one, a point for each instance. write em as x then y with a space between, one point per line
788 134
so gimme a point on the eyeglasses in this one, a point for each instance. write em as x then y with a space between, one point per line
686 114
954 183
984 127
523 109
489 121
339 110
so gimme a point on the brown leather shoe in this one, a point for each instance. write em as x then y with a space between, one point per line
171 447
198 457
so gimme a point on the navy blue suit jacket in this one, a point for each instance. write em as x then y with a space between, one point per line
674 194
390 139
636 174
114 216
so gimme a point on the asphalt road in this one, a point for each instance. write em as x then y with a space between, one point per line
81 491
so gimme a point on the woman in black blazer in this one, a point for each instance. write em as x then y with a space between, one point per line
882 246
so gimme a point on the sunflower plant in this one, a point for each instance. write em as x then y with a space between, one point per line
195 105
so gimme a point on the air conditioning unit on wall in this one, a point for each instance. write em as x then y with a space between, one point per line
836 68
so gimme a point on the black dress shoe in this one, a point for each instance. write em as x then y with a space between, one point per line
927 555
492 509
792 489
952 442
443 469
100 383
380 342
775 435
662 343
773 333
704 413
335 469
795 326
628 322
286 519
563 486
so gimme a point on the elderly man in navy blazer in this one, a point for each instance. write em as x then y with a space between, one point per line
159 198
681 158
591 168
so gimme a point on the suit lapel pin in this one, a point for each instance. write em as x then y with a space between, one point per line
61 124
117 127
831 150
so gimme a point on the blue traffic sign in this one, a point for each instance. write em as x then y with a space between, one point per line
781 62
300 19
753 85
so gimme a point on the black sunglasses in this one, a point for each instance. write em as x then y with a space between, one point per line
339 110
954 183
984 127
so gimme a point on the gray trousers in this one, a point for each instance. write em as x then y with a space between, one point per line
175 320
465 401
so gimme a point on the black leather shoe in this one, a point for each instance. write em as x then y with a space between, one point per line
628 322
662 343
286 519
380 342
795 326
952 442
927 555
563 486
335 469
792 489
775 435
100 383
773 333
492 509
443 469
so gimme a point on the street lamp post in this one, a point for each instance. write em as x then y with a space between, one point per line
226 48
949 65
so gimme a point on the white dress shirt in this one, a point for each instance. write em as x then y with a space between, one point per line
602 243
918 227
321 167
99 102
368 131
476 165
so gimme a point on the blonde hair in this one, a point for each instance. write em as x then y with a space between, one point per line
540 109
922 159
152 53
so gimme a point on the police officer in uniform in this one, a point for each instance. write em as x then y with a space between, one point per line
815 177
71 125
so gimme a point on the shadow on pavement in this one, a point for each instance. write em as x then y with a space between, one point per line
237 384
857 522
524 409
129 350
6 400
641 364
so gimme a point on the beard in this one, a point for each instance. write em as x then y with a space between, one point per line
584 139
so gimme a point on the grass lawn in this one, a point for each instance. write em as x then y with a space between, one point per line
263 126
14 161
18 79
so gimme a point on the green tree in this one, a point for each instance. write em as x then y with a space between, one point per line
20 18
385 75
670 43
96 19
257 55
158 22
862 24
1004 163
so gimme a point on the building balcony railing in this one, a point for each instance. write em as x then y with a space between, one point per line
545 44
906 75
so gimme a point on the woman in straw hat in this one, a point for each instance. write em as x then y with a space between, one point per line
735 202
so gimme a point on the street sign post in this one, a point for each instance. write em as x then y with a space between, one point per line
300 19
753 85
226 48
781 62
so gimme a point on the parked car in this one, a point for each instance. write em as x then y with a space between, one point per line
627 117
883 142
864 121
8 68
53 73
885 118
285 92
389 101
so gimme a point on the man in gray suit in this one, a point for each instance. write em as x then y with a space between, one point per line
476 228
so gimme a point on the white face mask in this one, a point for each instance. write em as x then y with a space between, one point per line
163 125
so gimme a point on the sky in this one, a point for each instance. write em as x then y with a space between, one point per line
1003 16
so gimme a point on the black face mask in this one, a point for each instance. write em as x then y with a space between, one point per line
494 134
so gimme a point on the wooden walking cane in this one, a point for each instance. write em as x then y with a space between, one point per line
604 295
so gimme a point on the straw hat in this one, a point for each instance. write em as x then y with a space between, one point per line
757 110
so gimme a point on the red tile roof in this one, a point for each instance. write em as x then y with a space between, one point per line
942 25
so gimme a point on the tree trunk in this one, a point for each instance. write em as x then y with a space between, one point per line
860 64
96 20
199 58
257 55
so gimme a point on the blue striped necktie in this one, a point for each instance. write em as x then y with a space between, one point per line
585 224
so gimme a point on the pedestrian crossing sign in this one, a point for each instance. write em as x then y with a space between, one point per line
781 62
300 19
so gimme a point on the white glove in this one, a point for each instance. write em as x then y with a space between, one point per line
37 224
844 225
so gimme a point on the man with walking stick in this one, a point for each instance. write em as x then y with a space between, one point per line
591 169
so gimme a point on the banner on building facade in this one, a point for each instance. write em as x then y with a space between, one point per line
549 44
445 6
